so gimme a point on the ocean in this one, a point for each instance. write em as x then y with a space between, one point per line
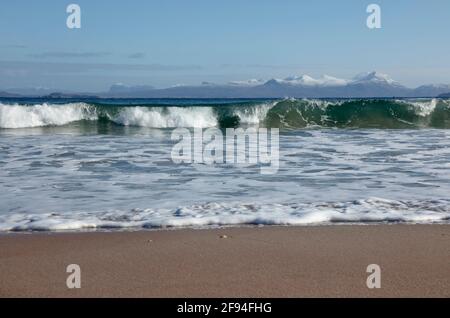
87 164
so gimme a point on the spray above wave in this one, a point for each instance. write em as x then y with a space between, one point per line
21 116
287 113
165 117
214 213
27 116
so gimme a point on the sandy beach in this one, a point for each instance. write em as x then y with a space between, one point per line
328 261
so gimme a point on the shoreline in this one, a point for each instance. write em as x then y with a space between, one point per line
211 227
249 261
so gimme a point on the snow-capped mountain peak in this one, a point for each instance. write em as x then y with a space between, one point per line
374 77
306 80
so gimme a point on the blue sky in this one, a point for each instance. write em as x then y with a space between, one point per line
168 42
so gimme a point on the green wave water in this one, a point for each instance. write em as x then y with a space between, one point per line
285 114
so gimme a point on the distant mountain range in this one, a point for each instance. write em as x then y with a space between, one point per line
371 84
5 94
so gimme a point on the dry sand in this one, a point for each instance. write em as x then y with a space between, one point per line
231 262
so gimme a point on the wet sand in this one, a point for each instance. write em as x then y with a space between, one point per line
319 261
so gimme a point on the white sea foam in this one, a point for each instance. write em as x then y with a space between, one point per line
20 116
171 117
23 116
219 214
422 108
254 115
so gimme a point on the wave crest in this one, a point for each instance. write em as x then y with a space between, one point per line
287 113
20 116
166 117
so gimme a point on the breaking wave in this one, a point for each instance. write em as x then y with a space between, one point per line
287 113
